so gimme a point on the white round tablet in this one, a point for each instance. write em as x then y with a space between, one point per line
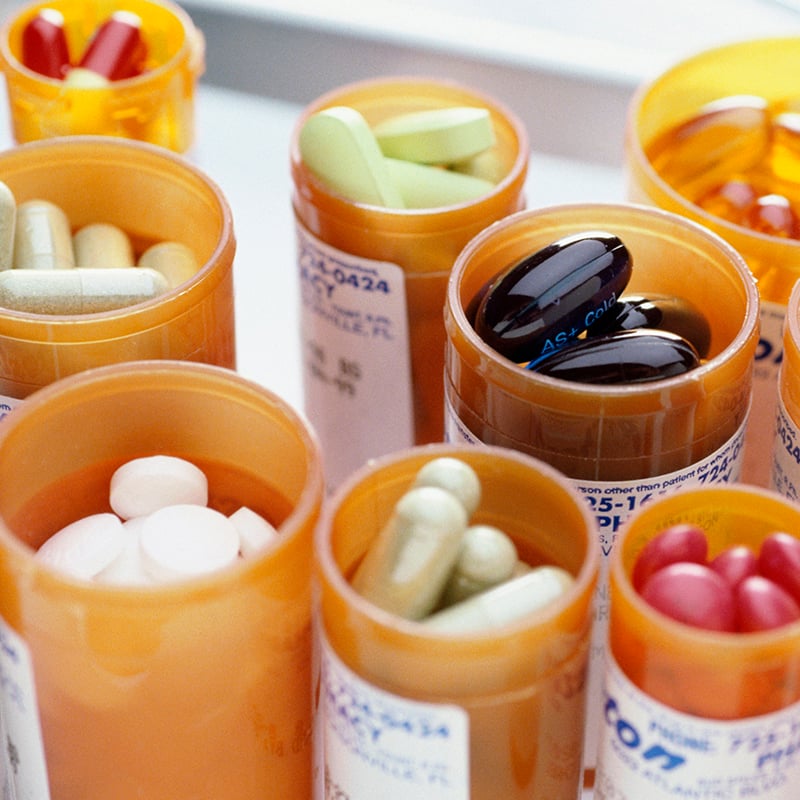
84 547
183 541
144 485
127 569
255 533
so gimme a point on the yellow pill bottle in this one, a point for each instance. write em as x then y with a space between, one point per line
153 195
373 282
487 714
156 106
195 688
765 68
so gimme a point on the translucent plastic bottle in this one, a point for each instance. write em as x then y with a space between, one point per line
406 712
195 688
156 106
689 712
373 283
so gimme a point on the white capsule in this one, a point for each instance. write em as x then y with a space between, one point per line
8 222
255 533
184 541
84 547
78 290
42 237
144 485
127 569
488 557
174 260
406 568
102 245
454 475
506 603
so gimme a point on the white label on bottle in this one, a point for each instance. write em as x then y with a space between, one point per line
786 454
374 744
612 502
650 751
6 404
23 757
356 358
757 461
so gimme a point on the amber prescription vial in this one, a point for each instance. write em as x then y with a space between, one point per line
689 712
761 69
621 445
407 712
173 691
785 477
155 106
373 282
153 195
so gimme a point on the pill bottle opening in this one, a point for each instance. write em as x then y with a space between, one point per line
759 67
380 98
646 232
167 31
510 481
265 458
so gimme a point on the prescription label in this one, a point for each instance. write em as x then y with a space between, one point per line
769 355
7 404
23 761
356 357
785 478
648 750
371 743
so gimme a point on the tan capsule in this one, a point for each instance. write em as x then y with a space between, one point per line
101 245
488 557
454 475
42 237
174 260
8 220
405 570
503 604
79 290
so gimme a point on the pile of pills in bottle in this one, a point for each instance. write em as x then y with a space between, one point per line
160 528
45 268
429 564
115 51
739 590
738 158
562 311
421 159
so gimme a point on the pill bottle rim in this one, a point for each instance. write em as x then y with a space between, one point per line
411 630
717 644
141 316
505 371
185 375
409 221
739 235
192 48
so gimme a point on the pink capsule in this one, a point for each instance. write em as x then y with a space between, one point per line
44 44
773 214
779 560
116 50
762 605
735 564
682 542
692 594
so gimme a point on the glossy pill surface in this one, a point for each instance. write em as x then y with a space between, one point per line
762 605
635 356
693 594
664 312
779 560
117 49
42 237
44 44
680 542
545 300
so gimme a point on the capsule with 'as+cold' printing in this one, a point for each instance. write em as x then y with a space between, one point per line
550 297
623 357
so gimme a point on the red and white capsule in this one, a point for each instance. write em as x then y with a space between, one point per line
44 44
117 49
